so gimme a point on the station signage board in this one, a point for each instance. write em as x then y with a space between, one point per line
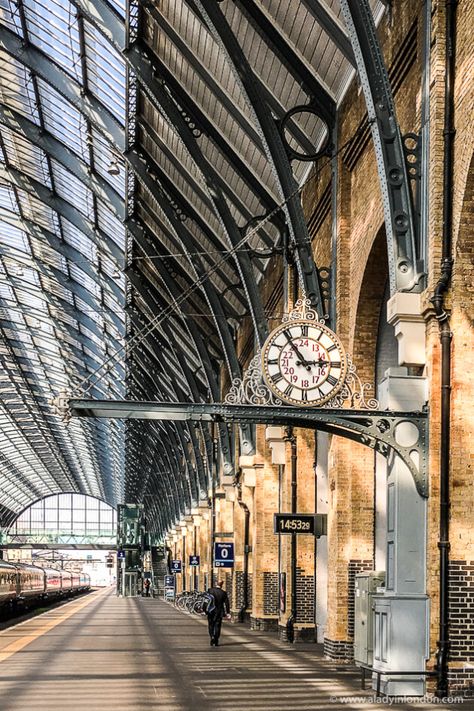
120 555
224 555
194 560
313 524
170 587
176 566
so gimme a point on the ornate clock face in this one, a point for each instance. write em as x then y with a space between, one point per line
304 363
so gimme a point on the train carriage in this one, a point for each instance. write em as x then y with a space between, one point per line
8 582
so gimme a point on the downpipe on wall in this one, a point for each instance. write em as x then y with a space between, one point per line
290 624
245 570
445 342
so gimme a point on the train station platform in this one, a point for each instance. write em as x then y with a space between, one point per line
103 653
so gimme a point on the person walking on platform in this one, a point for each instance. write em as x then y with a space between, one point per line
146 587
217 608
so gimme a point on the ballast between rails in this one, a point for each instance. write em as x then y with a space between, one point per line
21 582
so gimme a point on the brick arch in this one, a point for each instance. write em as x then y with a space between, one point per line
463 272
369 309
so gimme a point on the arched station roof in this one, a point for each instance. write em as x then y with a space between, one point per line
151 156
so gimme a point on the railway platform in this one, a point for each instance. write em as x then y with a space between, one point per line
103 653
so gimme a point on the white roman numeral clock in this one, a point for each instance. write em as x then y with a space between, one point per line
304 363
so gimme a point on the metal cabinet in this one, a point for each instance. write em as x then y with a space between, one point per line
366 585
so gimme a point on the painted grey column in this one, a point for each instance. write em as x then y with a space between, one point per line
322 450
402 612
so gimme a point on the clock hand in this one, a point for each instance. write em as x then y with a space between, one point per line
292 345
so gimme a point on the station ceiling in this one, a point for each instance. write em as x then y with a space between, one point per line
141 199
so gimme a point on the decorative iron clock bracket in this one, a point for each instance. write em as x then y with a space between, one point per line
402 433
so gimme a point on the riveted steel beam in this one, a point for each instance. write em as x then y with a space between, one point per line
148 66
202 350
220 206
374 429
405 271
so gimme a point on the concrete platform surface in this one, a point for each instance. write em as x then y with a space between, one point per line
102 653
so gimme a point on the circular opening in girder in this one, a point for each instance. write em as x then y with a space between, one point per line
406 434
305 133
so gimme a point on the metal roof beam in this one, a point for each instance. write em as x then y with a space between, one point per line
63 155
41 65
148 67
294 63
64 208
326 19
275 149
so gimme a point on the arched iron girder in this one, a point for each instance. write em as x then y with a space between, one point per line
373 428
220 206
43 66
175 392
185 236
57 150
63 249
319 94
217 90
162 468
158 181
405 272
247 434
21 180
209 170
203 354
147 66
160 266
191 245
213 300
275 149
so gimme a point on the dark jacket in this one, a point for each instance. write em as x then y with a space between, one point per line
222 602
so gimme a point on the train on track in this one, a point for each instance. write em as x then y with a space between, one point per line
21 583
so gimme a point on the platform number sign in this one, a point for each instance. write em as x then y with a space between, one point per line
223 555
176 566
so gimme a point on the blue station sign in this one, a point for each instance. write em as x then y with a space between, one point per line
194 560
224 555
176 566
120 554
170 581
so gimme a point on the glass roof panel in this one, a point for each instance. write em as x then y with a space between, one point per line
73 190
9 15
16 87
63 120
105 72
53 27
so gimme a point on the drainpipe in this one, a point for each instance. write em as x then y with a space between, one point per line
445 342
245 572
290 625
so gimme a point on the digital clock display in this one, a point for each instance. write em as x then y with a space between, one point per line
294 523
314 524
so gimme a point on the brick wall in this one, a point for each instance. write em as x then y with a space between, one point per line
355 566
271 601
305 598
461 627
